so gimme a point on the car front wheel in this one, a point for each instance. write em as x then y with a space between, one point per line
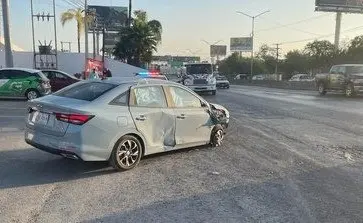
321 89
217 136
349 90
126 154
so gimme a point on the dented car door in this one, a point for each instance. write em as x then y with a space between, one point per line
152 117
193 122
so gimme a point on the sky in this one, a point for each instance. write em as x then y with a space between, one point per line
186 23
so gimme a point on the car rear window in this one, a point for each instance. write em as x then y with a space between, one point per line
87 91
42 75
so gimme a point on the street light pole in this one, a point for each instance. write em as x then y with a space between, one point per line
253 34
85 30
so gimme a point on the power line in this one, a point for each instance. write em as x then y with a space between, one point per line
319 37
294 23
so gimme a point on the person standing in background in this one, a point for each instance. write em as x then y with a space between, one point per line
93 75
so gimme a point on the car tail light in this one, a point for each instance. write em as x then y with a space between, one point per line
76 119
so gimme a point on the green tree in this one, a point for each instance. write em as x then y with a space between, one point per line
295 62
235 64
354 53
138 42
322 54
268 56
78 16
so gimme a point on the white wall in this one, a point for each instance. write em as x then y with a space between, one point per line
72 63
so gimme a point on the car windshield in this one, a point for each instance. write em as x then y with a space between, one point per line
87 91
199 69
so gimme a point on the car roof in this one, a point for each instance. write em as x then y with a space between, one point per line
22 69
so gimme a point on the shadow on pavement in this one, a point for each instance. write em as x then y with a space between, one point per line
31 166
324 195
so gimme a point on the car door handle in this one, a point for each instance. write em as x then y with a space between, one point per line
141 118
182 116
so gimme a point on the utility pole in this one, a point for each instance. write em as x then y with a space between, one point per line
85 30
8 52
253 34
130 13
277 57
338 23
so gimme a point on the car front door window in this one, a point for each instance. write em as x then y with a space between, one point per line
184 99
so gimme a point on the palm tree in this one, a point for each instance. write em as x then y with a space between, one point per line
78 16
138 42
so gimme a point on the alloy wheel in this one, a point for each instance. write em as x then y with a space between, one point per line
128 153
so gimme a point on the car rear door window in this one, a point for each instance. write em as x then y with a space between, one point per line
184 99
151 96
88 91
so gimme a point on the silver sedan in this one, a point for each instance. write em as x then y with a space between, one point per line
121 122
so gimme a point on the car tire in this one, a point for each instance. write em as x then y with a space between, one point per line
349 90
214 92
228 87
217 136
126 153
321 89
32 94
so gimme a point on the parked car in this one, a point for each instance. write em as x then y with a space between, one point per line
258 77
59 79
121 122
222 81
347 78
23 83
241 77
301 77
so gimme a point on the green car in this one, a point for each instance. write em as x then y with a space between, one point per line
21 82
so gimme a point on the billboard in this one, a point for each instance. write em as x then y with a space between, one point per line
218 50
113 17
241 44
352 6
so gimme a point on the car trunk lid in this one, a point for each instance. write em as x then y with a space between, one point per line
44 113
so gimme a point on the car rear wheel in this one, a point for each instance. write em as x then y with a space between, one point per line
32 94
349 90
126 154
214 92
321 89
217 136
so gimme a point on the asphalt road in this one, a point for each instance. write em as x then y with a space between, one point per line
289 156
